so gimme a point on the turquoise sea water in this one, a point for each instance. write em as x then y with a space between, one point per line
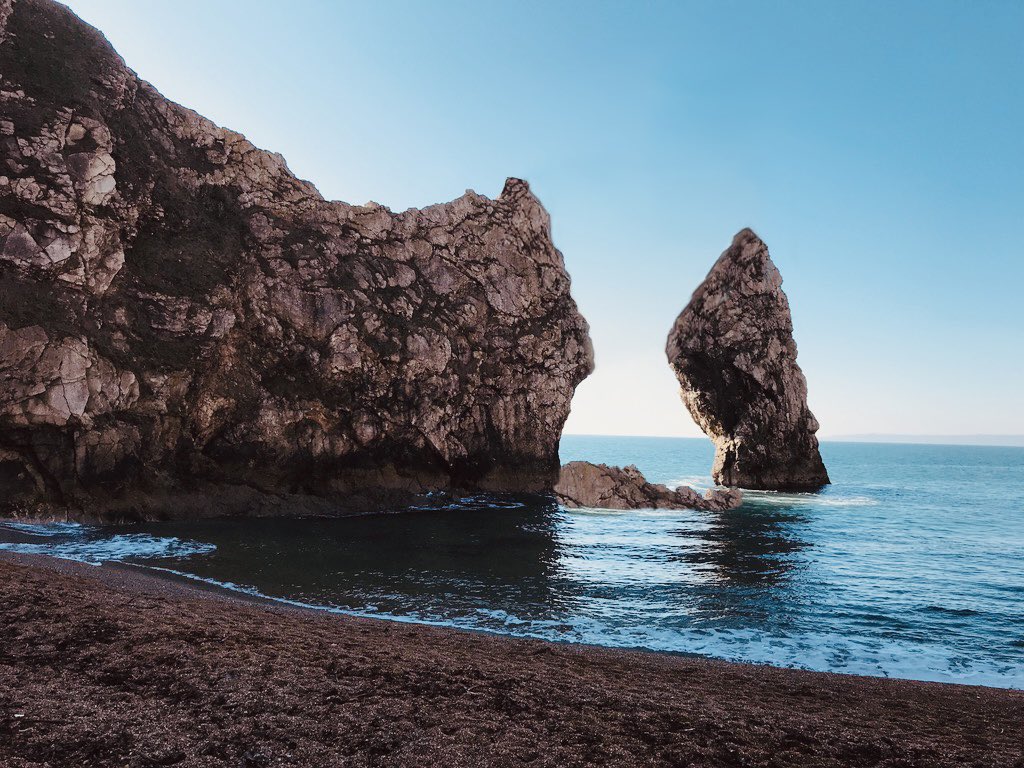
910 565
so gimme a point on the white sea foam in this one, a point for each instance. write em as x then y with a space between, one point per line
112 549
697 482
819 652
44 529
808 499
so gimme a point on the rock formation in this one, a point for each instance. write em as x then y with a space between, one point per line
733 352
186 327
582 484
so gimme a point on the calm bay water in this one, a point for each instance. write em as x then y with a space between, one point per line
911 565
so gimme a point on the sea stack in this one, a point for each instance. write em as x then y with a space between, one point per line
732 350
188 328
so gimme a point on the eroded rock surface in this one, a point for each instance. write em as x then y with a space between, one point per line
583 484
186 326
732 350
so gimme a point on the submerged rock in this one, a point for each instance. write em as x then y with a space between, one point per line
186 327
732 350
582 484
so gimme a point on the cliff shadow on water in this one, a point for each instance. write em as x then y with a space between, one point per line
473 558
755 545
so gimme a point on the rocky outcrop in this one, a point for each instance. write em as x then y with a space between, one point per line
733 352
582 484
185 326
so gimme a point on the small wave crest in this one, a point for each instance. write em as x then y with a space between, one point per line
944 609
697 482
44 529
112 548
808 499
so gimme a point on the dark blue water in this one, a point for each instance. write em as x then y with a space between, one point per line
911 565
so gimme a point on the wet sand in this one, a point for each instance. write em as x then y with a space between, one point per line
111 666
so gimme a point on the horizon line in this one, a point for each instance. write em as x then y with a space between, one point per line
993 440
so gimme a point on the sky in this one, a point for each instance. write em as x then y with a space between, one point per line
876 147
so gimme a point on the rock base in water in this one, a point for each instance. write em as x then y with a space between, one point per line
582 484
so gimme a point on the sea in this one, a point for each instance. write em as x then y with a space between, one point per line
910 565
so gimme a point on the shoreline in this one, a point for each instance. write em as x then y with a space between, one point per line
109 665
198 587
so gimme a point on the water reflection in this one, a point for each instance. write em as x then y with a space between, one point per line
492 559
455 559
755 545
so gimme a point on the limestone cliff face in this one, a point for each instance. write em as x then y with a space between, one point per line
187 327
733 352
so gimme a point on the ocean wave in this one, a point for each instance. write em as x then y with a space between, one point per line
949 611
44 529
808 499
112 548
693 481
819 652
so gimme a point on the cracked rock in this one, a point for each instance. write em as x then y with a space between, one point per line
599 486
188 328
732 350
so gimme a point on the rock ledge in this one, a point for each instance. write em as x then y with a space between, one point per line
582 484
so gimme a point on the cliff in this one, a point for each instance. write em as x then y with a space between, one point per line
186 327
732 350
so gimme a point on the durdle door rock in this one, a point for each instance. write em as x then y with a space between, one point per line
582 484
733 352
187 328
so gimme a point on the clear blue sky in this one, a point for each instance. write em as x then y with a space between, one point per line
877 147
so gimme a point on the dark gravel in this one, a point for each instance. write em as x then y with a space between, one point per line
112 667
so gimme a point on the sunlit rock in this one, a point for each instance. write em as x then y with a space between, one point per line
582 484
733 352
186 327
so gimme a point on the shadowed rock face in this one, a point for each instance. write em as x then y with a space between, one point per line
582 484
733 352
185 327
